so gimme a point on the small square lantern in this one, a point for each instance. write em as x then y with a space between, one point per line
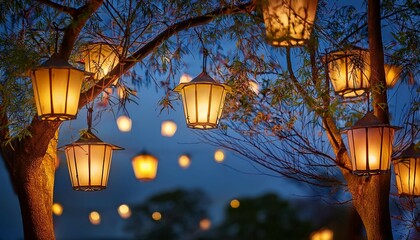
407 171
89 162
370 144
100 59
145 166
57 86
289 22
203 99
349 72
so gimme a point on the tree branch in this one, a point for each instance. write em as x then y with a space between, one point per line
69 10
80 17
125 66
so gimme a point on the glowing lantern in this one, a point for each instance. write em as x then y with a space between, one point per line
370 144
89 162
203 99
288 22
95 218
219 156
184 161
168 128
205 224
156 216
124 123
234 203
124 211
57 86
407 171
185 78
145 166
57 209
100 59
349 72
392 75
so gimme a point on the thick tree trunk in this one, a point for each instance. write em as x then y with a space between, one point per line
371 201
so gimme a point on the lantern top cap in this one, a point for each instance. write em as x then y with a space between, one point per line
89 138
203 77
342 53
56 62
370 120
411 152
144 152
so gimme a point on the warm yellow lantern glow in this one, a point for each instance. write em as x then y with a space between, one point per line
168 128
203 100
205 224
156 216
89 162
95 218
124 123
289 22
254 87
323 234
100 59
145 166
57 86
349 72
184 161
185 78
219 155
57 209
407 171
124 211
235 203
370 144
392 75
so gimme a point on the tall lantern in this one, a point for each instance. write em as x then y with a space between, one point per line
407 171
89 160
145 166
370 144
203 99
100 59
289 22
349 72
57 86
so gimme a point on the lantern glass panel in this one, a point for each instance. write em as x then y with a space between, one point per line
407 174
42 89
288 22
350 72
89 165
370 149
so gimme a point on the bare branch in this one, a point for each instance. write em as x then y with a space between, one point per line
69 10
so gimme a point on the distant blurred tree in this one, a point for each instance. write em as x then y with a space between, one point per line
181 212
265 217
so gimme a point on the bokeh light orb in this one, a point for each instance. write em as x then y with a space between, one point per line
156 216
95 218
235 203
124 211
184 161
205 224
168 128
124 123
219 156
57 209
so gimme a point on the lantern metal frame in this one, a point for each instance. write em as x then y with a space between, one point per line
89 139
359 82
138 174
368 123
289 35
410 160
52 64
203 79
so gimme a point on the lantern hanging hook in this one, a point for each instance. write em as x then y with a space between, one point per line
205 52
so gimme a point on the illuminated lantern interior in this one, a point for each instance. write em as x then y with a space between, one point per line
407 171
145 166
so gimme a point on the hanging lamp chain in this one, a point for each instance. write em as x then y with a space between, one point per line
205 51
56 30
89 118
